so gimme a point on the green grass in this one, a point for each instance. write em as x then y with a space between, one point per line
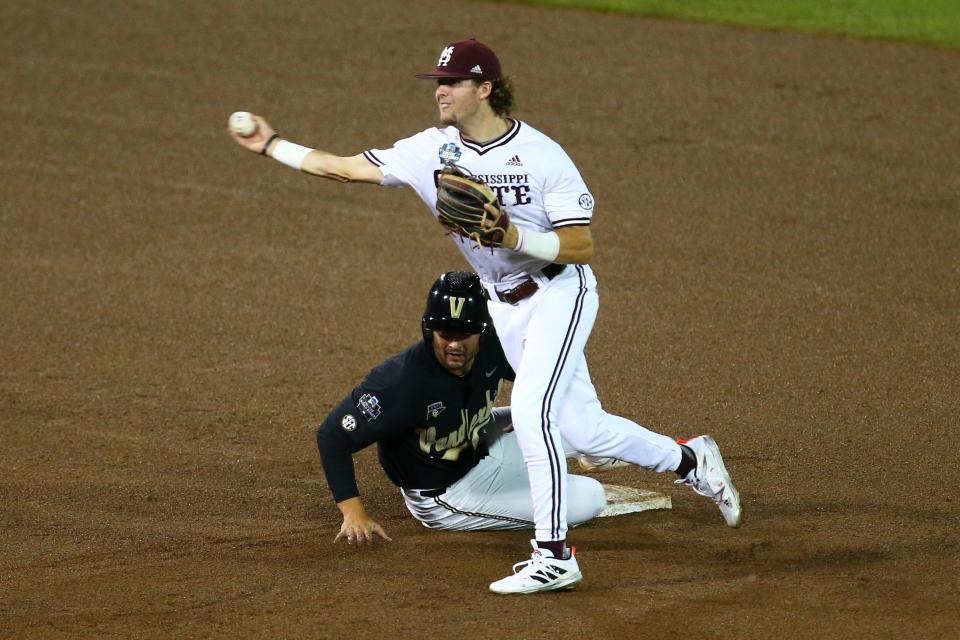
929 22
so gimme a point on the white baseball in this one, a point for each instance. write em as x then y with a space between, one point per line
242 123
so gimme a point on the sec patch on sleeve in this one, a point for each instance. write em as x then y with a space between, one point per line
348 422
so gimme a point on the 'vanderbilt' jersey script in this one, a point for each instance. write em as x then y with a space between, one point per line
430 425
534 179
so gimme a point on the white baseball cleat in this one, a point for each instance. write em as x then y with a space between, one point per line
542 572
710 478
596 464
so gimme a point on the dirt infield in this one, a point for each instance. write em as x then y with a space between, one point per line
778 227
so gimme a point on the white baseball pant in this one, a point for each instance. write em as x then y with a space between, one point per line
495 495
553 399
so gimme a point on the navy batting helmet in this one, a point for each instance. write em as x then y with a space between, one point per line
456 303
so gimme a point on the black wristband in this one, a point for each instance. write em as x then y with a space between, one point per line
266 144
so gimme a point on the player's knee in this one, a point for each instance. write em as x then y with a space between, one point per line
584 433
575 439
590 500
597 498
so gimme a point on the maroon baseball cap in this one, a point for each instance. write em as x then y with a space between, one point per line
465 59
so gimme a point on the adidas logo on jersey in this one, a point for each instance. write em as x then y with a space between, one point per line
476 69
514 162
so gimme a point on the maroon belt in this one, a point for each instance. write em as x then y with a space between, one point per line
529 286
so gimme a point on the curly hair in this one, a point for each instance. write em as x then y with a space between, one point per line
501 96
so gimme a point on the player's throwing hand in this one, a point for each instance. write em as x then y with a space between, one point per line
258 139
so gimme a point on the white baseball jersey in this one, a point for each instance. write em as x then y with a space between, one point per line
543 335
534 179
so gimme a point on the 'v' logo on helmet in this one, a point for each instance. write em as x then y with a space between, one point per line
456 306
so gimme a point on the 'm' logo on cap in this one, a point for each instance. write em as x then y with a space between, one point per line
445 56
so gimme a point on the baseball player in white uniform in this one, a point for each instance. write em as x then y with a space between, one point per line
542 291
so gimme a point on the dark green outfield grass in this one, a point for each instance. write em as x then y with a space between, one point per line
929 22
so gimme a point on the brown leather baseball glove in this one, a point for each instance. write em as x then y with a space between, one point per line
460 205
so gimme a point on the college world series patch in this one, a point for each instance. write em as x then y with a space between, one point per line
369 406
449 154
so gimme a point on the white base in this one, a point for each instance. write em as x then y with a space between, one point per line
621 500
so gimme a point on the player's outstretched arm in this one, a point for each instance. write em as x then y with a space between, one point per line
266 141
353 169
357 525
